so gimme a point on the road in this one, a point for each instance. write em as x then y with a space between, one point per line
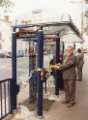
22 67
6 68
5 72
58 111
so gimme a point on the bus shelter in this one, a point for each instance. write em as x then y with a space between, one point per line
40 33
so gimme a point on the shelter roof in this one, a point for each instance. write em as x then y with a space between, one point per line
64 28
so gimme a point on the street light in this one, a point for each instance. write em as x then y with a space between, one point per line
82 13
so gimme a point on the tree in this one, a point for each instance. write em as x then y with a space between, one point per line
86 1
86 16
5 3
86 13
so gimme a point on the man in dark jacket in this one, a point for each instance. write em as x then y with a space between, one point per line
80 62
60 72
32 86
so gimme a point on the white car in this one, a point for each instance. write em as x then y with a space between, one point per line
2 55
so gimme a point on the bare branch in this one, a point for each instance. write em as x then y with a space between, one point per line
6 3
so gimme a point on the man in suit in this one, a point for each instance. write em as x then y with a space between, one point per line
80 62
69 76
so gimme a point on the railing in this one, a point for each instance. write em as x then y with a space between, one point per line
5 98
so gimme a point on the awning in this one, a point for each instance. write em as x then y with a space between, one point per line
67 31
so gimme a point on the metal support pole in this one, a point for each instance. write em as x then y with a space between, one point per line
29 68
40 39
57 72
14 73
74 45
32 65
32 57
63 47
29 57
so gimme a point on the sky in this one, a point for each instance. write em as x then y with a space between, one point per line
52 8
25 5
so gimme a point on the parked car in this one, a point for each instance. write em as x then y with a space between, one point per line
85 50
8 55
2 55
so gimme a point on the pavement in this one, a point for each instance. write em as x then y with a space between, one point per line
59 111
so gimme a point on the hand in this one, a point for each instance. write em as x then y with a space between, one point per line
57 67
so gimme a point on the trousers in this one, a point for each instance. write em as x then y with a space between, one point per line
70 90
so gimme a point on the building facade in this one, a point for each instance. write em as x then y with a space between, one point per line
5 35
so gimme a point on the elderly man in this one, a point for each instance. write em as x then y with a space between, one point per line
69 76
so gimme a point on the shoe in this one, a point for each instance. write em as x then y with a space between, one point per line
71 104
65 102
80 80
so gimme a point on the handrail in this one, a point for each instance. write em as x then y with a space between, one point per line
4 80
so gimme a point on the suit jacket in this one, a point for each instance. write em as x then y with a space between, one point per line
69 72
